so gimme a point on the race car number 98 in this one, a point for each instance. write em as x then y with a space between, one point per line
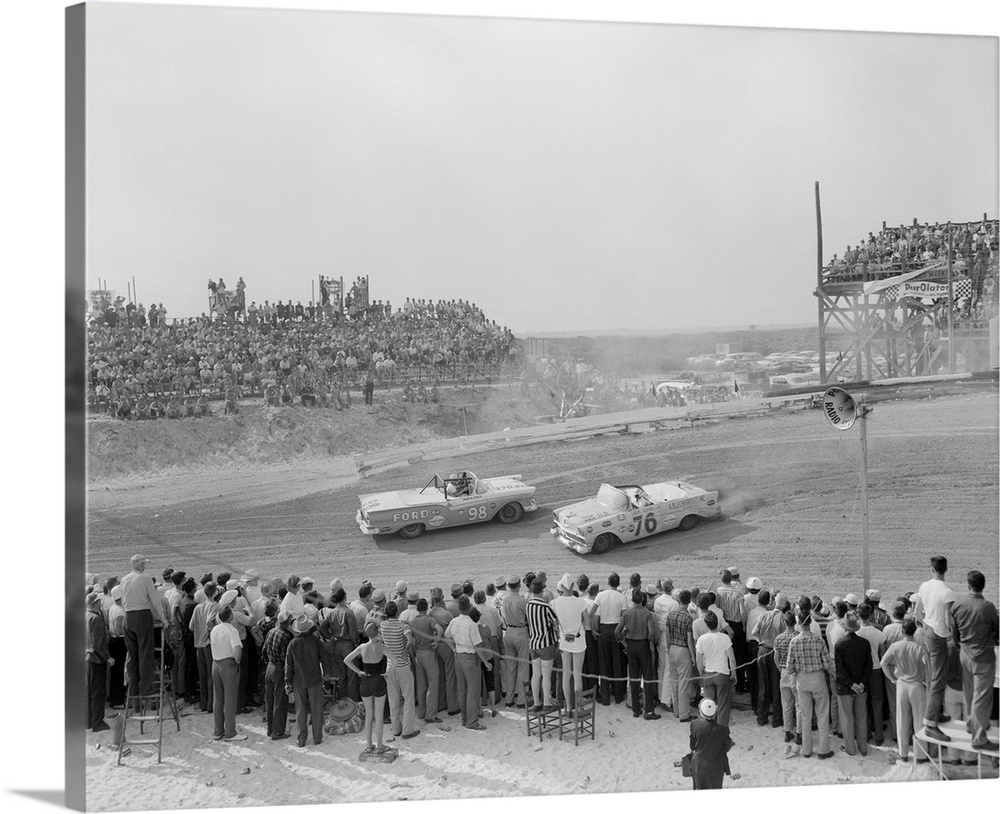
477 513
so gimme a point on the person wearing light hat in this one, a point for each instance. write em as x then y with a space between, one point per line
400 596
98 659
854 671
306 585
117 649
571 614
852 600
143 609
304 678
710 743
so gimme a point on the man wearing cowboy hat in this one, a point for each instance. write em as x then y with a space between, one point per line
710 743
853 659
226 653
304 678
143 609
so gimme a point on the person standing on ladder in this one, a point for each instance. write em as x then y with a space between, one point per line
143 609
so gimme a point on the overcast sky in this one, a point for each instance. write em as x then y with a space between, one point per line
565 176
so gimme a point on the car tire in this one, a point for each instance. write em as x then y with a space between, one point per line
603 543
412 531
688 522
510 513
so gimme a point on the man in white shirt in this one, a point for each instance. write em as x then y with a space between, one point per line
717 666
226 654
465 637
932 609
609 605
293 599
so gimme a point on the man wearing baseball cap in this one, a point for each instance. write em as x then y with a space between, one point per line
143 607
710 742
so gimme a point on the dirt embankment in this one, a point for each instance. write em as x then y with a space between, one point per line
261 435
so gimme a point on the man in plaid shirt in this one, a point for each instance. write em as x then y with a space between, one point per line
275 699
790 716
680 657
809 661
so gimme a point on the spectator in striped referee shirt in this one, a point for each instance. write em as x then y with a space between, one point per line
542 644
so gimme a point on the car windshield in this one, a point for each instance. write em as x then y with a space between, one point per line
612 497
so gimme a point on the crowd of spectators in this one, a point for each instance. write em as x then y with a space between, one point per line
140 366
905 248
851 666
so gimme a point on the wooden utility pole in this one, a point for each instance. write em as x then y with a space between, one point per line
819 288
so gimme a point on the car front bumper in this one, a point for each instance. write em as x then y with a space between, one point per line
578 545
365 528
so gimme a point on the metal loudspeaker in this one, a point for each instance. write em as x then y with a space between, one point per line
840 408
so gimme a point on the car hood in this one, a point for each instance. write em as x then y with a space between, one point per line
402 499
586 511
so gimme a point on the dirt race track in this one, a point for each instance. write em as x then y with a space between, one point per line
790 492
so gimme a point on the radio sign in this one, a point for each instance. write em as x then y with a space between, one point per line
839 408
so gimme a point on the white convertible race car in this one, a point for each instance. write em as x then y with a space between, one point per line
620 514
457 500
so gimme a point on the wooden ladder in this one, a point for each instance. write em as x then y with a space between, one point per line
148 709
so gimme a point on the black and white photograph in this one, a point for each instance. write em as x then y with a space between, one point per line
481 404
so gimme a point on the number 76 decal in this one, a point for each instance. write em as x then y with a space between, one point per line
647 525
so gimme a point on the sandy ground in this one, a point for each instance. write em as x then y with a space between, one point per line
791 497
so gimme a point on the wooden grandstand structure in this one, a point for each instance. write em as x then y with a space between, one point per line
893 331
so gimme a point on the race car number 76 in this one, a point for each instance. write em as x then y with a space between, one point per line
648 525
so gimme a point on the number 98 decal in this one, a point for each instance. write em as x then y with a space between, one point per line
647 526
478 513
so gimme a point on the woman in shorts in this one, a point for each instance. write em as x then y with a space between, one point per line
372 687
